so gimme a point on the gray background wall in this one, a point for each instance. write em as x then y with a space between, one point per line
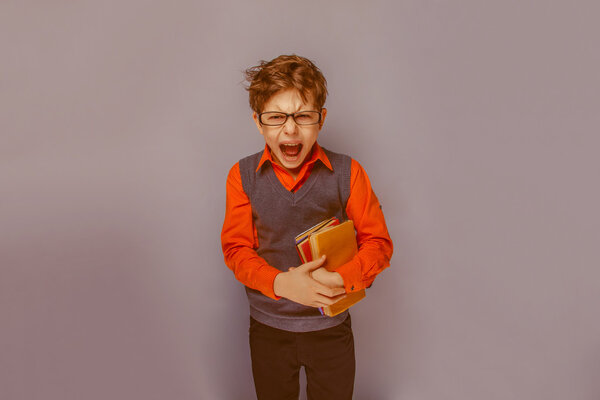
476 120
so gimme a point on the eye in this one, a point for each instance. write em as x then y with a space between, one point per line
275 117
306 117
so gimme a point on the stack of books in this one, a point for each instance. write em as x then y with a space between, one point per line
336 241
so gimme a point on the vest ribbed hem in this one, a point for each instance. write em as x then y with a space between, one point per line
297 324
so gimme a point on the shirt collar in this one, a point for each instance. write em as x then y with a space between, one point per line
317 154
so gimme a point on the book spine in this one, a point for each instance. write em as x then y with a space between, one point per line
300 253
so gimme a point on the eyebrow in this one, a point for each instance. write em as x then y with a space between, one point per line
302 108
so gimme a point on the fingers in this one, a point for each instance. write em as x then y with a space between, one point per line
298 285
329 279
324 301
312 265
328 291
325 296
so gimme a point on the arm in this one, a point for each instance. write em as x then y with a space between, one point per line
239 243
238 239
374 244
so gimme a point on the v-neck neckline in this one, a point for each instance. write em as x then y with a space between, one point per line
296 196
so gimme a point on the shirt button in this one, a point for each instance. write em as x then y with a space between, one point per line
352 288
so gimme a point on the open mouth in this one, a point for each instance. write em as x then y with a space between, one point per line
291 150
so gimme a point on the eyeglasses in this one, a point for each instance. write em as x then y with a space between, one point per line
275 118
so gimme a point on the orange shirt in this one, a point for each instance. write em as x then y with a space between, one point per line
239 239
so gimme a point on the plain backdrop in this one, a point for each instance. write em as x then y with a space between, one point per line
477 121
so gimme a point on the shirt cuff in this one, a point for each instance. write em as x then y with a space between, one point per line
351 273
267 286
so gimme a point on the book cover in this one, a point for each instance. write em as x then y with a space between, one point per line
338 243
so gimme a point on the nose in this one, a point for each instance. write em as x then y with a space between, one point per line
290 127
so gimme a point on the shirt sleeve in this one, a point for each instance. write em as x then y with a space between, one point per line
374 243
238 240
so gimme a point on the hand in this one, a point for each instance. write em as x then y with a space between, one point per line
297 285
329 279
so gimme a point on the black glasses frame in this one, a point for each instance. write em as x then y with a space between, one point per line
293 115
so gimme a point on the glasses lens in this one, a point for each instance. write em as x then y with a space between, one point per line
307 117
273 118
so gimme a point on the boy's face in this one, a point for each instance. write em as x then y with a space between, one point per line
290 143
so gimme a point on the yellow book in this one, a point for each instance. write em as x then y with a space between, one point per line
338 243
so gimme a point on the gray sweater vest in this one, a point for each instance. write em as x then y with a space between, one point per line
279 215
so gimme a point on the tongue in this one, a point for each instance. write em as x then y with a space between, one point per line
291 151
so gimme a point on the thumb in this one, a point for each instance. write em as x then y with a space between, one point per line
311 266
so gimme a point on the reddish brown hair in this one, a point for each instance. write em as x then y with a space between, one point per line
286 72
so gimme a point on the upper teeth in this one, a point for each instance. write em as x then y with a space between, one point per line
290 145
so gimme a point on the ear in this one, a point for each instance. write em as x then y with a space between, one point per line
257 122
323 115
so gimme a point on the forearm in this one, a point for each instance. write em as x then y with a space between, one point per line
252 270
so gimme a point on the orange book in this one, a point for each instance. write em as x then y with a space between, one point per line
338 242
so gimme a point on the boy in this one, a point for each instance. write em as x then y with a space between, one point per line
274 195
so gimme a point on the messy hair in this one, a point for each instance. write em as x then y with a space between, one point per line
282 73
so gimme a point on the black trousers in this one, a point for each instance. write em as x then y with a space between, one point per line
327 356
